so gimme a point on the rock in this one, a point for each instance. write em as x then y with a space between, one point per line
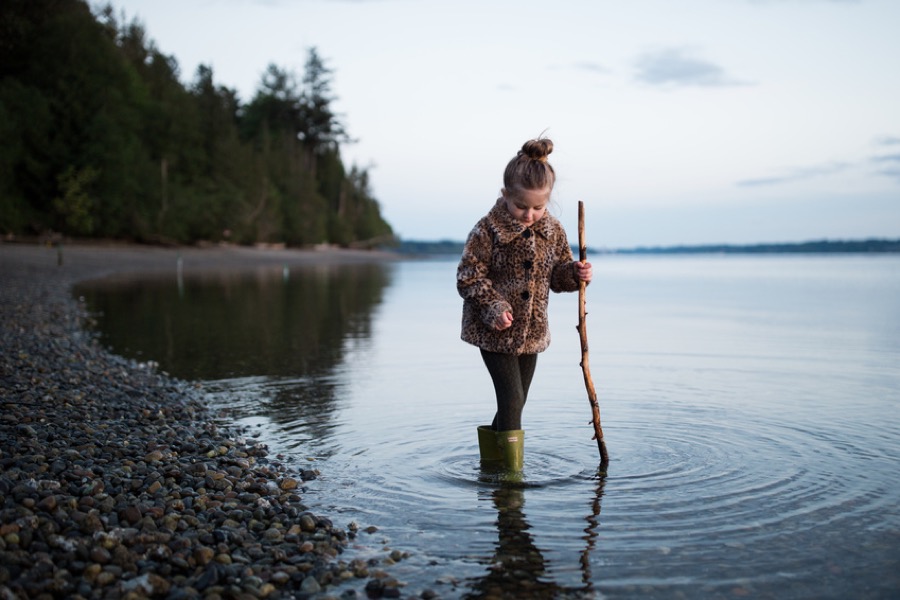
307 522
117 481
310 585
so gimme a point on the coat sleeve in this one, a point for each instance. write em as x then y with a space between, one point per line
562 277
472 281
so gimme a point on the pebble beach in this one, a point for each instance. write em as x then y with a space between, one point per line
116 481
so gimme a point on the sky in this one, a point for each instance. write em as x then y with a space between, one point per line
674 121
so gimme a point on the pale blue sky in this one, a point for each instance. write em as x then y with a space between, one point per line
675 121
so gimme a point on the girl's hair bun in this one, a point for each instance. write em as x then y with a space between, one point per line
537 149
529 169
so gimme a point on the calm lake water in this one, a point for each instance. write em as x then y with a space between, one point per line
751 407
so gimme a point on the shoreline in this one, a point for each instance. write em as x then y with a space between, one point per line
116 481
85 261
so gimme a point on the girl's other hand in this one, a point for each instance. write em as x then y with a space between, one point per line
584 271
504 321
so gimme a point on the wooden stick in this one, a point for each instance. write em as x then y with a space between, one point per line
582 333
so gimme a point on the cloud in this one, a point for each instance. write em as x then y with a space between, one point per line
797 174
888 165
887 140
807 1
592 67
677 67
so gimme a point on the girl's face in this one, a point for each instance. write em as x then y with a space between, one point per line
527 206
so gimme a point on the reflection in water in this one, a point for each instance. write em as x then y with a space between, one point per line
590 532
290 327
239 324
518 568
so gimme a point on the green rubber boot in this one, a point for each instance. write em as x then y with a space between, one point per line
487 443
511 445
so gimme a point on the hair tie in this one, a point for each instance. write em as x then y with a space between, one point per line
542 158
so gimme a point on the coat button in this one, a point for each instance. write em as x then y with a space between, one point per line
526 295
526 234
528 264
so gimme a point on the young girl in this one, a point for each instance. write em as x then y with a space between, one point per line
513 257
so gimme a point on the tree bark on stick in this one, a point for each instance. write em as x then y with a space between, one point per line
582 334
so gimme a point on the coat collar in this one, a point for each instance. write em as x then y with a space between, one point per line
507 228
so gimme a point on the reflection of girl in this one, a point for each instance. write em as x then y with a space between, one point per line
517 569
513 257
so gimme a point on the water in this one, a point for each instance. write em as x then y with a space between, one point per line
749 403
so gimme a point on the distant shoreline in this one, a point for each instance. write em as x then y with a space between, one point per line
137 256
873 245
811 247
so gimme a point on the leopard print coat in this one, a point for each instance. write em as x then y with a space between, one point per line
507 266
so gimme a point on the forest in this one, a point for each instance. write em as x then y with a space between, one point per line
101 139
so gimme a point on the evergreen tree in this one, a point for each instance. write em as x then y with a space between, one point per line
102 139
